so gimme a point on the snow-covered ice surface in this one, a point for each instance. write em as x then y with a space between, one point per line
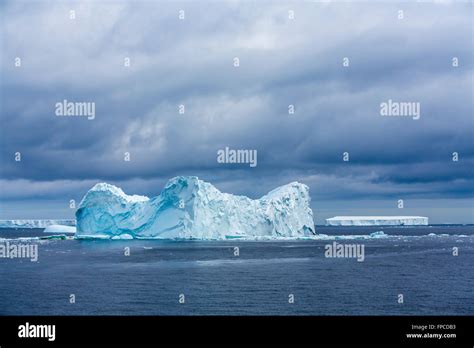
189 208
377 221
28 223
60 229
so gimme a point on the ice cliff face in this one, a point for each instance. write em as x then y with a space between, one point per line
191 208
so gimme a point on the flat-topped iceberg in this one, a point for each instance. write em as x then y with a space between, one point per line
377 221
189 208
29 223
60 229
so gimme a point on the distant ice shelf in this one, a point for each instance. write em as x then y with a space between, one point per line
377 221
29 223
60 229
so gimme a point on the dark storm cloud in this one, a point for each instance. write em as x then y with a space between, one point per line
282 61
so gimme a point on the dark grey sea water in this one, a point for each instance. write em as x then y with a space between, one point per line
408 261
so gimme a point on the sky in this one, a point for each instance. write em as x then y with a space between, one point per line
334 62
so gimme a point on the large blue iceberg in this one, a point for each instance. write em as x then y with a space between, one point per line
189 208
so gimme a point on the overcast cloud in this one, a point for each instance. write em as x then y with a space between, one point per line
282 62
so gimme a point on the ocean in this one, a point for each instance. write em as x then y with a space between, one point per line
236 277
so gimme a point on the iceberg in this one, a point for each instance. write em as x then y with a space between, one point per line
35 223
377 221
378 234
60 229
189 208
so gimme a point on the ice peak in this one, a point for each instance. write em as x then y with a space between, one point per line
179 183
183 180
117 191
290 188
